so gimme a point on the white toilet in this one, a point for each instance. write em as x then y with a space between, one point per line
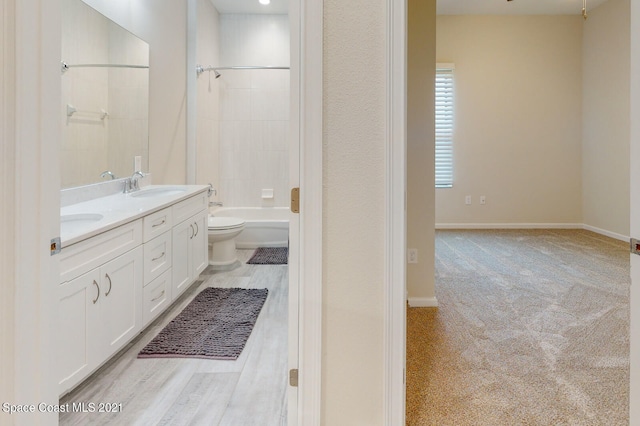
222 242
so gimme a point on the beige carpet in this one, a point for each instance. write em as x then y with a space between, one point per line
532 329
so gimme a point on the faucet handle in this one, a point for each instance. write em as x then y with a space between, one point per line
212 190
108 173
134 185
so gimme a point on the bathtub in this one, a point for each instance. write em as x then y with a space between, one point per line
264 227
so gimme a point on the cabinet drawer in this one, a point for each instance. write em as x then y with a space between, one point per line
156 298
156 224
86 255
187 208
157 257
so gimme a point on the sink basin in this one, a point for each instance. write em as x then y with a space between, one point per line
80 219
70 222
157 192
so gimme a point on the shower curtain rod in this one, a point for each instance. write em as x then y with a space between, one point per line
200 69
65 67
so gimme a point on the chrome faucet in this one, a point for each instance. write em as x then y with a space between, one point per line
108 173
215 203
132 184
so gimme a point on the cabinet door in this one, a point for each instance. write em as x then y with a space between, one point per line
121 300
181 268
199 242
78 332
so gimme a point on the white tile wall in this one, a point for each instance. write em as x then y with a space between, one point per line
253 110
83 150
208 97
254 132
254 40
91 145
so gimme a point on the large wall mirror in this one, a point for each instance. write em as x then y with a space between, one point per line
105 98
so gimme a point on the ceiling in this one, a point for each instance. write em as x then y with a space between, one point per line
444 7
251 6
515 7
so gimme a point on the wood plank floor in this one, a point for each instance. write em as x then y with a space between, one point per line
172 391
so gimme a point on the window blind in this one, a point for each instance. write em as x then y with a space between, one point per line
444 126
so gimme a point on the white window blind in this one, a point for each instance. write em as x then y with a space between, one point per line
444 125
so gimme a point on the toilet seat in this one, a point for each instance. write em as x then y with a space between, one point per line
222 223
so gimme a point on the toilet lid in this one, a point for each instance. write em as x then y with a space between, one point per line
217 222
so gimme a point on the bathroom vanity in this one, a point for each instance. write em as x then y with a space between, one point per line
125 258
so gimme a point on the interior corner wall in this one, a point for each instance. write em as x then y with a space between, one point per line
162 24
605 123
353 209
421 56
518 114
208 94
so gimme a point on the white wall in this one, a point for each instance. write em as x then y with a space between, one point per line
30 77
7 209
208 93
420 151
517 136
254 111
254 40
605 121
353 211
162 24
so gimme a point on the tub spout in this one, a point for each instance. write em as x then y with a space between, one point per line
215 203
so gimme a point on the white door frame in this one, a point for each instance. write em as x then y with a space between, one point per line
306 83
395 229
634 176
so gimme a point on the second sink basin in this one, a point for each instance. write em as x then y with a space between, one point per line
70 222
80 219
157 192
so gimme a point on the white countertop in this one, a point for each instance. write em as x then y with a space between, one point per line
116 210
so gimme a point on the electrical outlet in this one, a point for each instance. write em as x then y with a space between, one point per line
467 200
483 200
412 255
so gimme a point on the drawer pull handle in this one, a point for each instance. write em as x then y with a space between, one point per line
158 258
159 297
158 224
108 291
197 228
98 296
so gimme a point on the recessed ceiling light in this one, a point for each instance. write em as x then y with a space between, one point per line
264 1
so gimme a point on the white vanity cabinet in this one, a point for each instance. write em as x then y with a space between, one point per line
158 262
189 243
99 309
118 279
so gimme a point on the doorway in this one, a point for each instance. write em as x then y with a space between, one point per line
246 137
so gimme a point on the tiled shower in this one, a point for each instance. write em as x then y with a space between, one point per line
243 120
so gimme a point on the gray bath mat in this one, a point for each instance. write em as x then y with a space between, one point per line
215 325
270 256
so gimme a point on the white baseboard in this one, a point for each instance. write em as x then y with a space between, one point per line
604 232
533 226
509 226
423 302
